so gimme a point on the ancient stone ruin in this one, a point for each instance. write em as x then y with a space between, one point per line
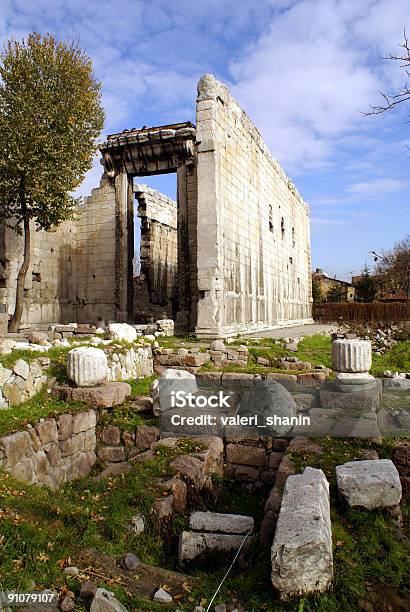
231 255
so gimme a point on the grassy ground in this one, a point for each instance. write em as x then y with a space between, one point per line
36 536
36 527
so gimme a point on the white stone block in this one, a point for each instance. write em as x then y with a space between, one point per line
302 560
370 484
122 331
174 382
351 355
221 523
192 544
87 366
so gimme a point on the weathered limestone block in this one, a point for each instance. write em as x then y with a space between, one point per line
110 435
351 355
370 483
112 454
302 560
193 544
4 375
47 431
103 396
246 455
145 436
171 380
221 523
15 447
122 331
21 368
87 366
82 421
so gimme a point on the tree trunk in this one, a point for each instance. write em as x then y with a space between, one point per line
18 310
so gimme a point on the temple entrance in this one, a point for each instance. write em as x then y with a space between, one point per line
129 158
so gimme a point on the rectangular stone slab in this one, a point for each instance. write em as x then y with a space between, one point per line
302 560
192 544
221 523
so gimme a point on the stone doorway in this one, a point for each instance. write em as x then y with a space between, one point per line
128 157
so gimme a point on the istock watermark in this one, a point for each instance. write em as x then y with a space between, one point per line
181 399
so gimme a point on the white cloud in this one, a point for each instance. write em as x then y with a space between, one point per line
305 81
376 187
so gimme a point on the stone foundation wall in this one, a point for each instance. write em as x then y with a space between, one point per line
52 452
253 226
155 288
23 380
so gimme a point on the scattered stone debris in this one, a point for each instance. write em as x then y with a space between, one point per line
130 562
87 589
105 601
162 596
369 484
71 570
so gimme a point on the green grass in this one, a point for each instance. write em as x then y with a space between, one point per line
37 530
141 386
37 527
396 359
39 406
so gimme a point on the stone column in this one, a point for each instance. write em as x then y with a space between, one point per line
353 356
210 309
124 245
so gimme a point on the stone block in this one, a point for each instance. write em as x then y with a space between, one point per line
15 447
217 522
302 561
246 455
122 331
145 435
21 368
193 544
87 366
112 454
370 483
47 431
103 396
82 421
191 468
110 435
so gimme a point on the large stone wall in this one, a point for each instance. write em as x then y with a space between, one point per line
253 226
155 288
232 257
48 286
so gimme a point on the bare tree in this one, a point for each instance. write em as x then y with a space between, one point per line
403 95
393 267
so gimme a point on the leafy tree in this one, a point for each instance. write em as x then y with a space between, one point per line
317 290
335 294
367 286
50 117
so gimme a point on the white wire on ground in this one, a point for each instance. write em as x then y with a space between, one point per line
226 575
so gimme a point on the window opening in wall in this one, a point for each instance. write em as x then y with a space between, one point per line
282 227
291 260
36 277
293 237
270 218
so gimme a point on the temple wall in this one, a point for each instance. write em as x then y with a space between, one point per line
48 286
155 288
254 268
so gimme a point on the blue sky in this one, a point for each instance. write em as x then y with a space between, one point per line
302 69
